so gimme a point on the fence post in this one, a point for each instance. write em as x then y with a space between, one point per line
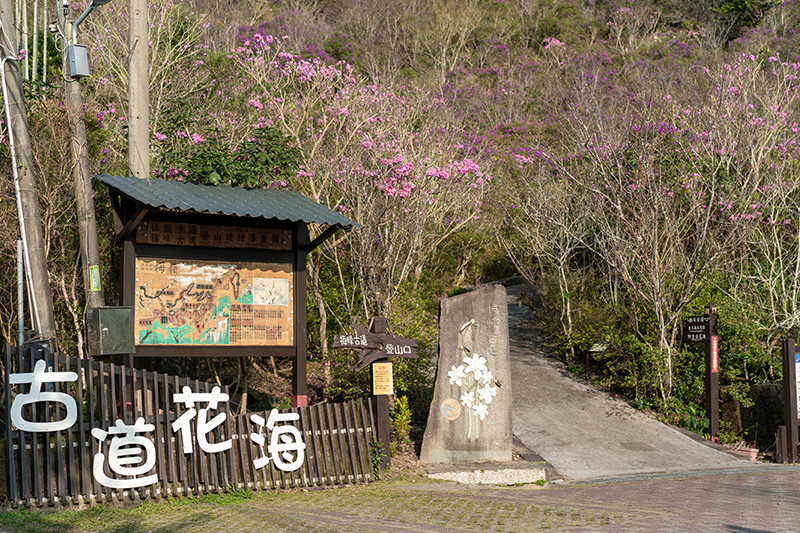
790 398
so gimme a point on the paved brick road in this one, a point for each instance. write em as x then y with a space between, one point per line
762 500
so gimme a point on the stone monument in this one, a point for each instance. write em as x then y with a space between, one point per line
470 416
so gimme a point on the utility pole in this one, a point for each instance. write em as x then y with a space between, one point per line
138 91
30 219
82 181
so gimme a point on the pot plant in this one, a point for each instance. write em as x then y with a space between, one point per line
736 444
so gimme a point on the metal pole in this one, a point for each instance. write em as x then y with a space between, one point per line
20 292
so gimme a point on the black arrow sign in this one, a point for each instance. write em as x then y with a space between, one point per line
375 346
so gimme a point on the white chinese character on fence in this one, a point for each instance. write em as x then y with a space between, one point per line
35 394
286 447
204 426
126 450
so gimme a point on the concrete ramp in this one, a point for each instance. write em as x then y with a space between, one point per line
588 434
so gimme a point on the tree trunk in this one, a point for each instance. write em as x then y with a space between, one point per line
245 362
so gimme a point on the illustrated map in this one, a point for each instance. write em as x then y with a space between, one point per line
213 302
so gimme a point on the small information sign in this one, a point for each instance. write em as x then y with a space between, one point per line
714 354
382 379
797 382
697 328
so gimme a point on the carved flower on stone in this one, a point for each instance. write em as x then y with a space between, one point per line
457 374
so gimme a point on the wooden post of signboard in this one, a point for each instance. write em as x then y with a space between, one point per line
789 358
712 369
383 423
299 379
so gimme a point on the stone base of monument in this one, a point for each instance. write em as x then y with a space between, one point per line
513 473
527 468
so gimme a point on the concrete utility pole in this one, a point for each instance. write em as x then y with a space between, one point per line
84 196
138 91
30 219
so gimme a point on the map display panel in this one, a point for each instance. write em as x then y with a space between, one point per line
225 303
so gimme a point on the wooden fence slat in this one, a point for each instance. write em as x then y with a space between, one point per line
26 354
49 461
170 440
180 457
212 457
72 474
10 463
113 413
58 409
142 410
358 437
319 452
83 461
299 477
344 447
198 456
276 477
124 394
335 446
102 393
366 425
161 441
248 475
91 443
309 475
230 479
351 443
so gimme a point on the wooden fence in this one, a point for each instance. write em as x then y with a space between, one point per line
56 467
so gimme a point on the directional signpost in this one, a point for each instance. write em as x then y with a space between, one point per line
376 347
786 440
703 328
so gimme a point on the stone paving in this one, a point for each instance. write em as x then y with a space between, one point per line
760 500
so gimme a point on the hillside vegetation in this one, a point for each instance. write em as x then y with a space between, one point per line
632 160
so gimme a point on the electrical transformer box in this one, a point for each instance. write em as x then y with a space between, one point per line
78 59
109 330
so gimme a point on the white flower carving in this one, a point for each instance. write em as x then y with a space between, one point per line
487 393
457 374
476 365
468 398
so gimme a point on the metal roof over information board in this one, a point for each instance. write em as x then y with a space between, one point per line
281 204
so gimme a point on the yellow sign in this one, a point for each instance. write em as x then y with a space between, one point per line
382 380
213 302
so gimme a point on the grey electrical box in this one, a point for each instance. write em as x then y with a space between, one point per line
110 330
78 59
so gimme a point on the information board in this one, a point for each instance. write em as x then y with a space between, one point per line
180 302
696 328
382 379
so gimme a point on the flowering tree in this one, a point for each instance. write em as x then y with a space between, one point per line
674 182
387 159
